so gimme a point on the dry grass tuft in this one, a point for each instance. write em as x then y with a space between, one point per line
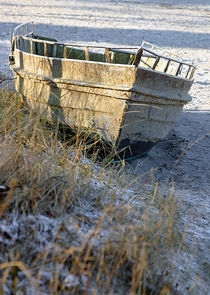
69 225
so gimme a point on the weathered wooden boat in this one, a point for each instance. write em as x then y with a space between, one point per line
131 97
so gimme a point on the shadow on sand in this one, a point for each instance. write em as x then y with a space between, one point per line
132 37
183 157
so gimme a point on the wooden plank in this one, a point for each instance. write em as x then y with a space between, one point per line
31 47
192 73
156 62
87 53
107 54
188 71
64 51
178 69
45 49
167 65
138 57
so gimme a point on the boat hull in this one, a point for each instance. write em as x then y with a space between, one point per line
130 107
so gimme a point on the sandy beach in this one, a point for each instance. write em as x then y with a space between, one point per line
182 26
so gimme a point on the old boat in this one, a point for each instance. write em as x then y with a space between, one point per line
131 97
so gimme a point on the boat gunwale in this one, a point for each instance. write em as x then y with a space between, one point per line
108 64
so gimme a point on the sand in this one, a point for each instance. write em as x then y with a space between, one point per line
181 26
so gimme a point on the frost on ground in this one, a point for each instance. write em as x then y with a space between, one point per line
47 241
183 159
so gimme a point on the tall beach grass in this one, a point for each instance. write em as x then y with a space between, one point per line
72 225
